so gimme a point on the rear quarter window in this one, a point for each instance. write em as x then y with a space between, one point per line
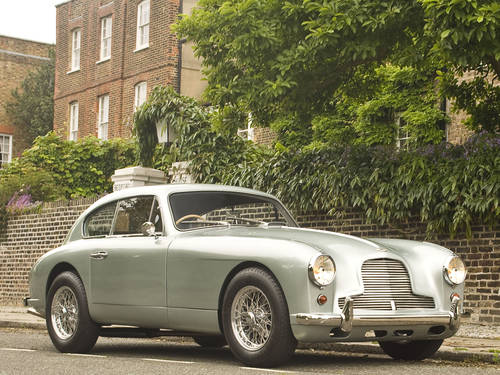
99 222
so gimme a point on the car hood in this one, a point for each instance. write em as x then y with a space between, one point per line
334 244
423 261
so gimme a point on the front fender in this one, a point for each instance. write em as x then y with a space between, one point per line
198 266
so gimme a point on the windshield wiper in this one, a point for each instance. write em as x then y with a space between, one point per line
253 221
220 222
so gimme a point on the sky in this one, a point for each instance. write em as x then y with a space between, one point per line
29 19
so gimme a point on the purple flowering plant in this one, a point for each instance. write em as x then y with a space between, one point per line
20 201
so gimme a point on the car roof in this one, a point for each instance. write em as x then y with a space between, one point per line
175 188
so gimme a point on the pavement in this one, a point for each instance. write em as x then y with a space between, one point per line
473 342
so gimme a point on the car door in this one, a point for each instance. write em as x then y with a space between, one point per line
128 268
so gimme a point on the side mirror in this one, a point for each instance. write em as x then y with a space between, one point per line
148 229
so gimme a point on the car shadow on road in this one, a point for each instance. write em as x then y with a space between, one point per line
188 351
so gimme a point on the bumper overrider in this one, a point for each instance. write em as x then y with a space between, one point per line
346 320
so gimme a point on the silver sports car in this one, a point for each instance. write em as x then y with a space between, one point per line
230 266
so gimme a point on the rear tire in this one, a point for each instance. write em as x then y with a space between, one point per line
256 321
412 350
210 341
68 321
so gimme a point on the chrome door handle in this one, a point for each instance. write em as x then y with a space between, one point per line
99 255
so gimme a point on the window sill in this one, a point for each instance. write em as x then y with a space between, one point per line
103 60
73 71
141 48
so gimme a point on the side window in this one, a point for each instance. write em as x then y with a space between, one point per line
131 214
156 217
99 222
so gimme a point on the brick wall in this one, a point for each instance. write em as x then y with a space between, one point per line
264 136
31 235
18 57
28 237
156 64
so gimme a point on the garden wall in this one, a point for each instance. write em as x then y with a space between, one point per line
31 235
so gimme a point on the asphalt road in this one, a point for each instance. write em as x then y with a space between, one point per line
31 352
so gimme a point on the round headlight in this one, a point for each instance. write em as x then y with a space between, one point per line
454 270
322 270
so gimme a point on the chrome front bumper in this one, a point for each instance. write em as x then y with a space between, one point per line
346 320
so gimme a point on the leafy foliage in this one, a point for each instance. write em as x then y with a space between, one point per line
448 187
21 192
285 60
371 116
466 34
196 140
176 112
479 96
32 105
67 169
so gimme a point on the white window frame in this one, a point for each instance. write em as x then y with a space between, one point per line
3 138
103 117
141 93
247 133
402 134
73 121
76 41
142 33
106 32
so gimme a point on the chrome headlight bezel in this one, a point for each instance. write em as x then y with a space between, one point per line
450 270
315 270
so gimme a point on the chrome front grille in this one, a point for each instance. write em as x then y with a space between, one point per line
387 287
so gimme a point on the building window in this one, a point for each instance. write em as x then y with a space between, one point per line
106 28
73 121
402 135
142 25
140 94
102 123
75 49
5 149
247 133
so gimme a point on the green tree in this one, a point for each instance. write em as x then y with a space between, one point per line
466 33
279 59
375 107
32 104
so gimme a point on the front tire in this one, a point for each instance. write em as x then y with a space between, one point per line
256 321
68 321
412 350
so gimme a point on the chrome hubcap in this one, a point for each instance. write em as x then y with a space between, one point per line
64 313
251 318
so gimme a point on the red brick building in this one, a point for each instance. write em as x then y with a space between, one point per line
18 57
109 55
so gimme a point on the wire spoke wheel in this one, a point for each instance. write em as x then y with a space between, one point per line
64 313
251 318
255 319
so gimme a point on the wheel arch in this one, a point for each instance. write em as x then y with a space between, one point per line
57 270
240 267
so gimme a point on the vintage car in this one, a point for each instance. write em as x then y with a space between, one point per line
230 265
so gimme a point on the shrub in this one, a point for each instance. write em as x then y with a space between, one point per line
58 169
76 169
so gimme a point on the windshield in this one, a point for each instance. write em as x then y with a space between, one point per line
194 210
